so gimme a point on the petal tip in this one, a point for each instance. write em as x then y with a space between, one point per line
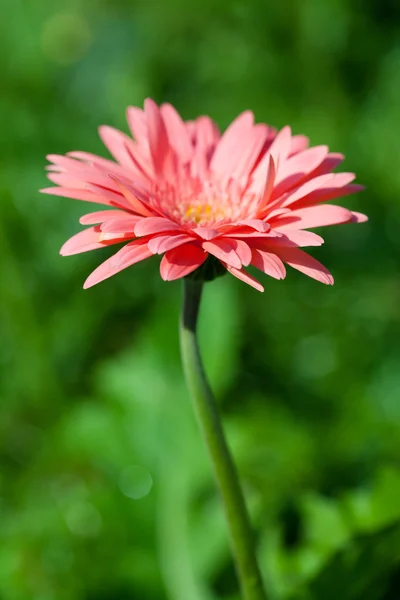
64 250
149 104
359 217
87 284
91 281
329 279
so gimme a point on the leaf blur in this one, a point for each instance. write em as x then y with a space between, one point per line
105 487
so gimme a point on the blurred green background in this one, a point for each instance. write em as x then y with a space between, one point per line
105 487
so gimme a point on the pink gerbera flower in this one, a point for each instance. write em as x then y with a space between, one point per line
183 190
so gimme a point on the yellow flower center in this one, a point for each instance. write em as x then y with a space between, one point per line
203 203
203 213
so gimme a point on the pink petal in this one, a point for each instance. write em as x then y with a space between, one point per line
117 143
230 144
297 237
103 195
66 163
272 133
77 178
160 149
268 263
191 129
82 242
139 165
76 194
328 194
322 189
279 151
80 175
102 215
93 171
177 133
153 225
313 216
163 243
88 239
307 188
246 232
114 198
358 217
331 162
243 251
286 238
181 261
130 254
305 263
206 233
110 238
109 166
93 165
256 224
140 207
251 145
120 225
205 136
245 276
66 180
297 167
230 251
281 145
137 124
342 179
75 173
269 185
276 212
205 139
207 133
298 143
142 164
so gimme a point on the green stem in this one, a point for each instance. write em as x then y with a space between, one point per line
241 536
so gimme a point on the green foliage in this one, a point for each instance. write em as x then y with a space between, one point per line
105 487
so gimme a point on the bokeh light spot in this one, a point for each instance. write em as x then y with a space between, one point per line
83 519
135 482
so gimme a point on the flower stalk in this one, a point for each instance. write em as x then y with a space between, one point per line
241 536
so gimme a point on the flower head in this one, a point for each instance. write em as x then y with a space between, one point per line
180 189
